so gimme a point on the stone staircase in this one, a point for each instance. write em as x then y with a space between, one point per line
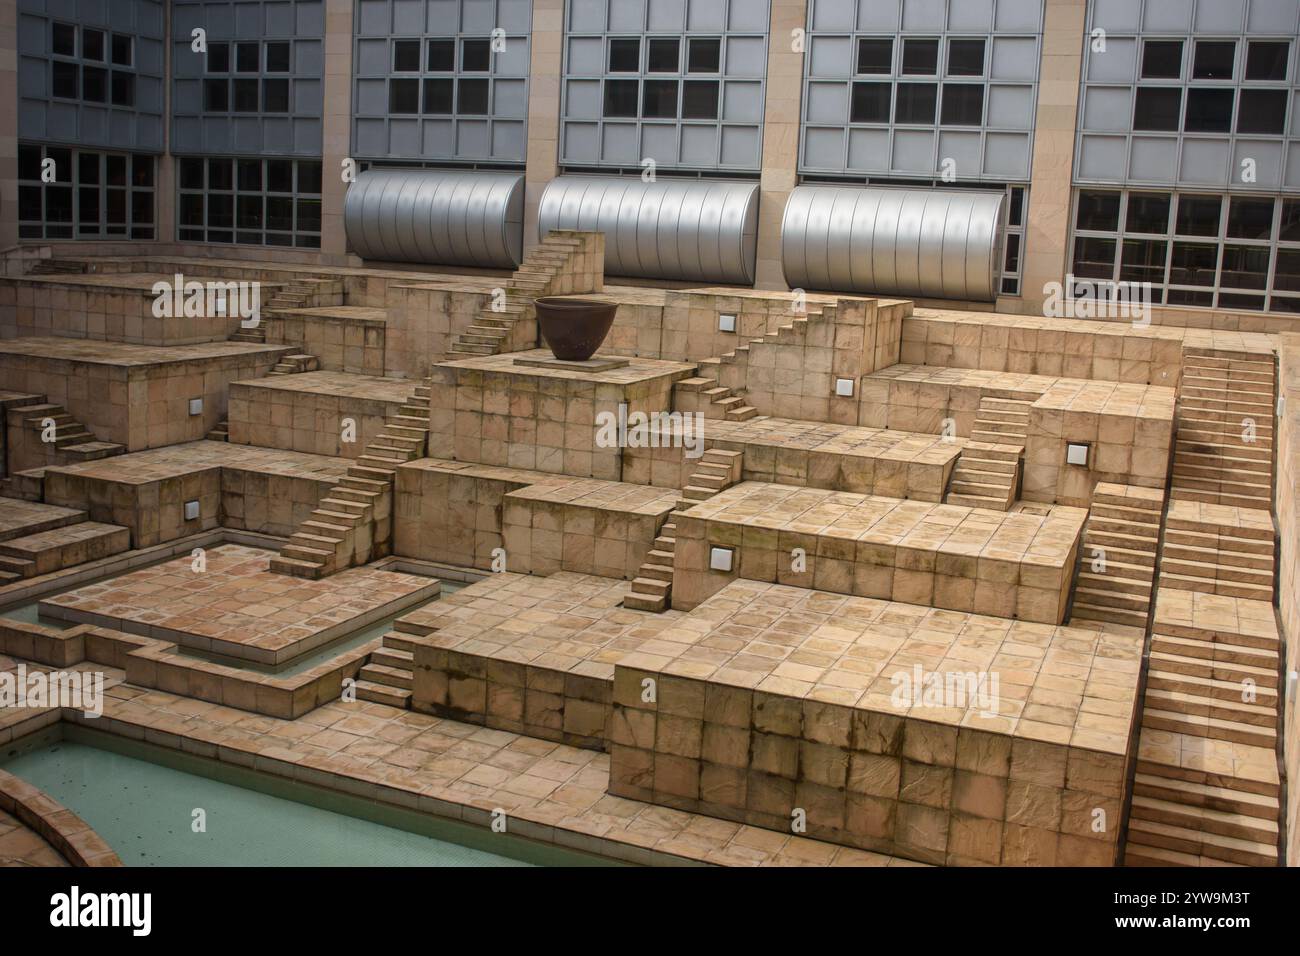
1218 549
1118 556
354 524
58 267
556 266
714 401
220 432
304 292
987 472
295 364
653 585
1222 398
389 674
71 441
45 552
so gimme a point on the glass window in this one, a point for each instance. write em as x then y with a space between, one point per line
1262 111
700 99
476 56
65 80
621 98
121 50
1245 267
218 58
703 55
1286 271
1094 258
663 55
142 171
1143 260
965 57
1157 108
279 175
915 103
438 95
920 57
1147 212
403 96
87 168
277 57
94 80
221 174
216 95
275 96
659 99
279 213
248 57
1250 219
115 170
1098 211
625 55
1193 263
245 94
92 44
63 39
122 88
876 55
1267 59
250 175
29 162
1198 215
1214 59
870 103
442 56
963 104
1208 111
1162 59
472 97
249 212
191 174
1289 229
406 56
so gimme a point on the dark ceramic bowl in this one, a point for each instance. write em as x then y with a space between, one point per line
572 326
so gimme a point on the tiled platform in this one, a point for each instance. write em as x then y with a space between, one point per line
236 607
19 518
344 338
22 846
949 556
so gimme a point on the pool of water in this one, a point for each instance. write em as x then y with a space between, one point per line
143 799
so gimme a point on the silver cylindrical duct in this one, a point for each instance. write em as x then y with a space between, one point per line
690 229
935 243
439 216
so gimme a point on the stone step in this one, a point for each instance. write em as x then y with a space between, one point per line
1196 686
396 677
1204 819
1219 652
1194 463
1213 446
742 413
1200 843
1206 570
297 568
1112 581
1269 786
1212 728
1223 588
1233 710
1116 539
1140 855
650 587
1102 496
393 657
1112 598
1210 797
1111 615
302 552
639 602
1175 666
381 694
977 501
1216 498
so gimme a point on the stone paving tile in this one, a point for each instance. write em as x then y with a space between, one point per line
19 518
22 846
176 460
637 369
349 385
128 354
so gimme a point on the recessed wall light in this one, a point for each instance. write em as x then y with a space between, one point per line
721 559
844 387
1076 453
191 510
196 406
726 322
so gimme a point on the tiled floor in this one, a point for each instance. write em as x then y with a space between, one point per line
177 460
20 846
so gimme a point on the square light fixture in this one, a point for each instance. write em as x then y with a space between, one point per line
721 559
844 387
196 406
1076 453
191 510
726 322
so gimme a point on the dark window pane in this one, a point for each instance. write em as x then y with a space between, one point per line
279 213
1262 111
660 99
1282 304
406 56
29 203
1198 215
915 102
88 206
275 96
87 168
625 55
221 174
250 212
1245 267
1286 274
62 163
1157 108
1162 59
472 97
191 210
123 88
141 207
309 177
221 212
663 54
870 103
876 55
277 57
1017 206
92 44
279 175
66 80
620 97
245 95
1147 212
1228 301
121 49
29 163
1290 227
309 215
1011 263
1208 111
191 174
1193 264
438 93
1143 260
115 170
920 57
703 55
403 96
218 57
64 39
273 239
142 171
1188 297
965 57
442 56
250 175
1093 258
963 104
307 242
1266 59
93 82
1098 211
476 55
216 95
220 237
1250 219
700 99
1213 59
58 204
115 206
248 57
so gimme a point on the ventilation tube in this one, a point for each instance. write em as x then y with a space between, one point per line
931 243
437 216
694 230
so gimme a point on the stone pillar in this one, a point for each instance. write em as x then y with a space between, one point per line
544 90
336 126
164 173
781 114
8 125
1047 230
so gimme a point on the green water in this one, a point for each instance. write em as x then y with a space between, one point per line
141 799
